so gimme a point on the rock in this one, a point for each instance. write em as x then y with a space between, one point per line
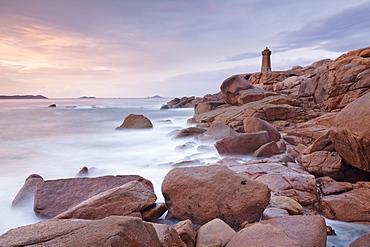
262 235
191 131
231 87
328 186
134 121
353 205
25 195
214 233
186 231
110 231
323 163
351 133
272 212
283 181
168 236
286 203
53 197
338 83
272 108
267 150
53 105
298 230
154 211
218 131
253 94
252 125
242 144
126 200
84 172
362 241
203 193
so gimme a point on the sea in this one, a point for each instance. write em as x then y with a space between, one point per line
56 142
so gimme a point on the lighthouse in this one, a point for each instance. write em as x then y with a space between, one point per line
266 60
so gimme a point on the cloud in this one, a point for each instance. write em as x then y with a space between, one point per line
343 31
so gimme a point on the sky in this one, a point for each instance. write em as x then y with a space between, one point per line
171 48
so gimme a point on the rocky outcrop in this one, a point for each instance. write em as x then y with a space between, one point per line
351 133
192 101
134 121
305 231
110 231
53 197
126 200
334 85
203 193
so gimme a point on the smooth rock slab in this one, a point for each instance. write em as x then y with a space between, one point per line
53 197
25 195
110 231
128 199
207 192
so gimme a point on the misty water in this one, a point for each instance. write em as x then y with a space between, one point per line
56 142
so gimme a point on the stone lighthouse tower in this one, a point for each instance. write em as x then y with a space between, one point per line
266 60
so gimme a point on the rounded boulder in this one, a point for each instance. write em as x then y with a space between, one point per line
207 192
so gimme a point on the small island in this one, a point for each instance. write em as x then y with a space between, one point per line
22 97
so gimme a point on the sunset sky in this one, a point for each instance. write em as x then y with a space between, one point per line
140 48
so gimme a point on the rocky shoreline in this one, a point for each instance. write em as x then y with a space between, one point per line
307 130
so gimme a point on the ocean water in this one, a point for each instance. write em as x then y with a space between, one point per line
57 142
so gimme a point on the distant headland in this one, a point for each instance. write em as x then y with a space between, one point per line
22 97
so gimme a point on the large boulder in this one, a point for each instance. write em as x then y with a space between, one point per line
351 133
203 193
110 231
353 205
126 200
299 230
25 195
134 121
53 197
242 144
364 240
